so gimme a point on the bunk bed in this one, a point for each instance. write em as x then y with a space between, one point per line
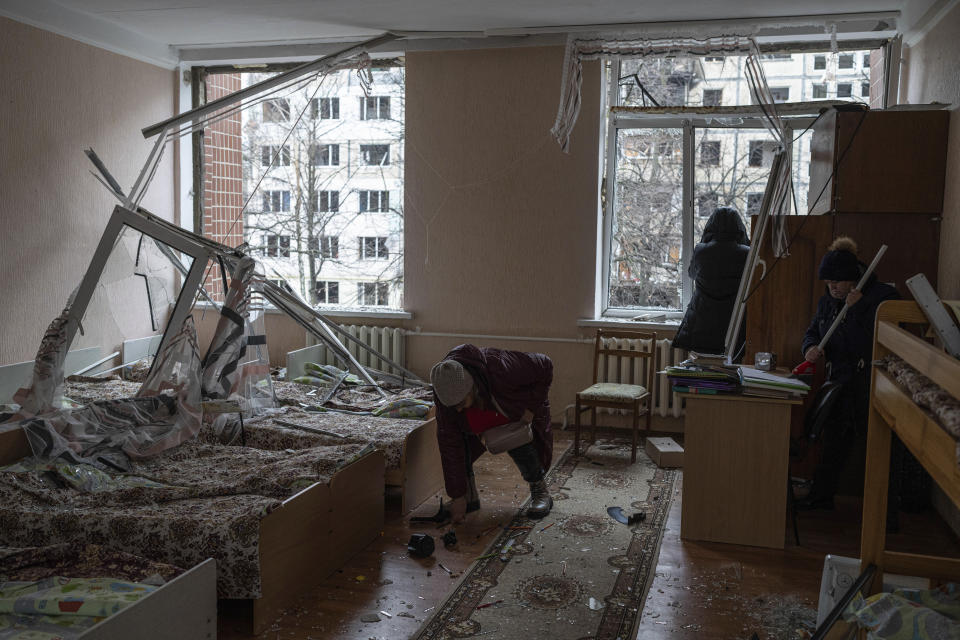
895 410
298 540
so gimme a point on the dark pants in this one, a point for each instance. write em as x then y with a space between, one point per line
848 422
528 461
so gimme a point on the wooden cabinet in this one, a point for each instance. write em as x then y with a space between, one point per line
882 176
783 304
878 161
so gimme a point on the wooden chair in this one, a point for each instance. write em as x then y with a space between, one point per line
615 384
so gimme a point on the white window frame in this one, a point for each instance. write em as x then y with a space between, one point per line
380 244
746 117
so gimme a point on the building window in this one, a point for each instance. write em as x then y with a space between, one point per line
278 155
372 247
866 61
780 94
276 201
665 176
845 61
707 204
865 89
755 158
375 107
776 56
713 59
325 201
375 154
844 90
325 108
373 293
325 246
710 153
378 201
325 155
276 110
277 282
712 97
819 91
277 246
327 291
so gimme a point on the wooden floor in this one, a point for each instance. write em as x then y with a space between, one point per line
701 590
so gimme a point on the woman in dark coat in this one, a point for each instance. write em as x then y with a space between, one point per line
715 268
475 389
848 354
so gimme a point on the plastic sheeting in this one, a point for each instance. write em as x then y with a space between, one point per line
109 433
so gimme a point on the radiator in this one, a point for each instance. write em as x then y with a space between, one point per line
617 369
386 340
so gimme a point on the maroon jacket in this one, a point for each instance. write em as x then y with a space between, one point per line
519 381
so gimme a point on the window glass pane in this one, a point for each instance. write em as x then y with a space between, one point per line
742 168
646 225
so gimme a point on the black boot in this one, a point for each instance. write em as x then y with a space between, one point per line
540 501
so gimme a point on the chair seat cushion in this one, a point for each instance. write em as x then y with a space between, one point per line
613 392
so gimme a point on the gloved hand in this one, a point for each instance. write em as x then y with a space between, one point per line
458 510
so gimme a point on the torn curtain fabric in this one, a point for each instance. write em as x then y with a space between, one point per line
581 47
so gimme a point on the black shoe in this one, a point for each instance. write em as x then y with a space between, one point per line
811 503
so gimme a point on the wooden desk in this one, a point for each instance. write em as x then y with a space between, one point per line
736 455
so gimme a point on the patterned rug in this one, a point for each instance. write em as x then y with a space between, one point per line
575 574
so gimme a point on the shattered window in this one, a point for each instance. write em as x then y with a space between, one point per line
336 144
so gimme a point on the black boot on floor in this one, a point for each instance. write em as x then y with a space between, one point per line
540 500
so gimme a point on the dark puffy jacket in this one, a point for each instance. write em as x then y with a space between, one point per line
852 343
518 381
715 267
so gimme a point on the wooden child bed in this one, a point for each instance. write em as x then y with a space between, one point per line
894 411
301 541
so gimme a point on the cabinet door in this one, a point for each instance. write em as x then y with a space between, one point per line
912 239
780 308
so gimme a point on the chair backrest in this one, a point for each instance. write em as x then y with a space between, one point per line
820 408
614 345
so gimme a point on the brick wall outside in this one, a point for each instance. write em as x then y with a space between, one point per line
222 178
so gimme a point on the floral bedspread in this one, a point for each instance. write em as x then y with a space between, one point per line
196 501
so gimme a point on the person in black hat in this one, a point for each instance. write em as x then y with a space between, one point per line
848 354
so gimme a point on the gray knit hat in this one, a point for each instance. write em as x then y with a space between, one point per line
451 382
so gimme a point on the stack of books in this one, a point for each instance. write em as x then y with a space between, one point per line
768 385
698 377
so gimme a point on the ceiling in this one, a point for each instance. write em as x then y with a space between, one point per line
160 29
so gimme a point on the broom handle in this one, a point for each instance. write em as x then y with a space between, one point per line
843 312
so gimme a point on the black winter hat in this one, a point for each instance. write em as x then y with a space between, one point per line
840 262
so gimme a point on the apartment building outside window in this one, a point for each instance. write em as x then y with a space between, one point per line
277 246
325 108
376 155
327 291
374 201
845 61
844 90
276 110
712 97
371 294
375 107
652 218
278 156
372 247
275 201
325 155
819 91
325 202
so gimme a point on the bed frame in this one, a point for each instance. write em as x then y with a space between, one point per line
893 411
311 535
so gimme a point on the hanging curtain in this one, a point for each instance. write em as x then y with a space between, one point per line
581 48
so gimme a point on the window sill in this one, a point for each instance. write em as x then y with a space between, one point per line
386 314
628 323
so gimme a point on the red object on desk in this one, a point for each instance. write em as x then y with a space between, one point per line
805 367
